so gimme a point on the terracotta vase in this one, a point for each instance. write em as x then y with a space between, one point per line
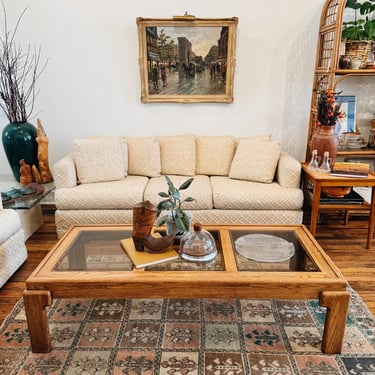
325 139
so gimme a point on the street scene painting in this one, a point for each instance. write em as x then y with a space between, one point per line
187 60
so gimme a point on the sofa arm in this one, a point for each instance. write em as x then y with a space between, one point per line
288 173
65 175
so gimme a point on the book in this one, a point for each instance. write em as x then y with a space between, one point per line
350 169
143 259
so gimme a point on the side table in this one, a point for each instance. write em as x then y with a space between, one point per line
28 208
315 180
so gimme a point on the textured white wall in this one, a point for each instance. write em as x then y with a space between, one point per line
92 83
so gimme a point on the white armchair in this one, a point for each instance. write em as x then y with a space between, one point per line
13 251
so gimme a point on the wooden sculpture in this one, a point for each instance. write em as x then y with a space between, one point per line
42 140
26 176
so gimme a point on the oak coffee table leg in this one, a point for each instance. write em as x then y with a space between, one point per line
35 302
334 327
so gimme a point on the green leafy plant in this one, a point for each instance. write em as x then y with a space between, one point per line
173 205
363 25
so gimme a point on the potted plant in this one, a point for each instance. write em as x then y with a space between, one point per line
359 32
19 72
174 215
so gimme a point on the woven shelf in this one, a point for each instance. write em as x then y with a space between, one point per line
327 73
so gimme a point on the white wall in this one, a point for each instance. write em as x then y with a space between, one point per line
91 84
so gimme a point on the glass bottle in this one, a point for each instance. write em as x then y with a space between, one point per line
326 164
198 245
314 162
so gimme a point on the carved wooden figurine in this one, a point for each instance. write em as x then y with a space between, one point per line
26 176
42 140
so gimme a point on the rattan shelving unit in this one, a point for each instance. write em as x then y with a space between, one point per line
327 73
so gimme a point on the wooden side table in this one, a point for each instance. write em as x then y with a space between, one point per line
313 181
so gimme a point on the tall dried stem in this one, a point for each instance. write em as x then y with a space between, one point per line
19 73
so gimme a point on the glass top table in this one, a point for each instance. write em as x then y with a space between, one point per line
89 262
25 201
100 250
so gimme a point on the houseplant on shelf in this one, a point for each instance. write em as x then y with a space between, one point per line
325 137
359 32
19 72
175 218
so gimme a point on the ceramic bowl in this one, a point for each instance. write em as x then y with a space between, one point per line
336 191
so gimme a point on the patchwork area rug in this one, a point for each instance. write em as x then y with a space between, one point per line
180 336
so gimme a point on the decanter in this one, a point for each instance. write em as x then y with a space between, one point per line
198 245
326 164
314 162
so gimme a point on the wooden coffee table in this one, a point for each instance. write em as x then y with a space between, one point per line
89 262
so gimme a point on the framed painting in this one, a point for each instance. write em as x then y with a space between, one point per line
347 123
187 59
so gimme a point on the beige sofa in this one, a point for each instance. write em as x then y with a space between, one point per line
236 180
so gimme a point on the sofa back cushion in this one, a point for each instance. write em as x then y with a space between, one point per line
178 155
143 156
214 155
255 160
99 159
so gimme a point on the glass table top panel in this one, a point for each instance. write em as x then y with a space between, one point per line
24 201
96 251
270 250
102 251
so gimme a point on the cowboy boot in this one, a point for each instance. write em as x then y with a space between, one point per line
144 215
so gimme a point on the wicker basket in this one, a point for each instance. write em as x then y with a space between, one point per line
359 49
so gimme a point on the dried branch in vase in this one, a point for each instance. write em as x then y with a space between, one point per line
19 72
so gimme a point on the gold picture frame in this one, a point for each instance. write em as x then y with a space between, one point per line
187 59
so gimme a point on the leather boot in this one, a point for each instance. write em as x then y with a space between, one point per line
144 215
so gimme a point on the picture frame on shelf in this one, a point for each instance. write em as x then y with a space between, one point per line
186 59
348 108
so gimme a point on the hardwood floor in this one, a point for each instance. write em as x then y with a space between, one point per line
346 245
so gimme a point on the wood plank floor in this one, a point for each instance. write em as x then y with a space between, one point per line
346 245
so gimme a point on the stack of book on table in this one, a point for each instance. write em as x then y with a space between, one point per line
142 259
349 169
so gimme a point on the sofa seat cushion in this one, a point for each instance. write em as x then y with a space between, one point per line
122 194
230 194
10 223
200 190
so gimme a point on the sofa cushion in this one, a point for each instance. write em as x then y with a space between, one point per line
143 156
200 190
110 195
178 155
124 148
255 161
214 155
258 138
229 194
98 159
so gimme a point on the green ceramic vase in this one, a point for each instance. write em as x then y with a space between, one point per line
19 143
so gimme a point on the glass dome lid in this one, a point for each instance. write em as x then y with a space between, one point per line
198 245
